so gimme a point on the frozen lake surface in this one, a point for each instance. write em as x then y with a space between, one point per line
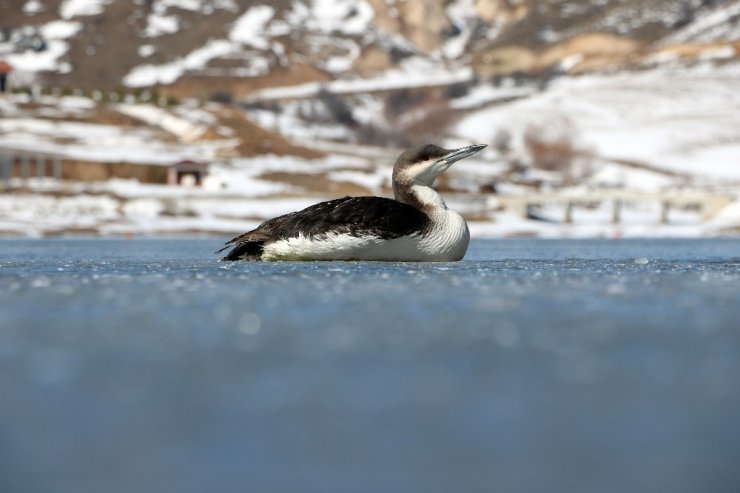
531 366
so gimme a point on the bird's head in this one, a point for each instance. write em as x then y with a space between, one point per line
421 165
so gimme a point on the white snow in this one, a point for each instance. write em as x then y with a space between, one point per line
75 103
146 51
149 75
76 8
728 219
101 143
184 130
33 214
249 29
714 25
371 181
461 15
55 33
60 29
48 60
486 94
32 7
391 80
720 53
684 123
201 6
341 63
632 16
345 16
157 25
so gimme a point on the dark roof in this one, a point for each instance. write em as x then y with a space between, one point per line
190 164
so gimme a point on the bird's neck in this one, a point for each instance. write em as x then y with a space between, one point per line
422 197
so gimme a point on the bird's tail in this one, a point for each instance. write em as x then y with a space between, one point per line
247 250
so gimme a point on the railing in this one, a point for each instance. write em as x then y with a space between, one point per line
36 91
24 165
709 204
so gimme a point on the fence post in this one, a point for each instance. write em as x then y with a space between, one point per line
25 167
665 207
569 213
57 168
616 211
5 173
40 166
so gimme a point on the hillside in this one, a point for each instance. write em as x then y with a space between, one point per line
199 48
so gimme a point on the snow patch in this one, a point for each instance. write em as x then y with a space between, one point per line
77 8
55 33
184 130
158 25
249 29
719 24
330 16
48 60
60 29
101 143
32 7
146 51
201 6
149 75
391 80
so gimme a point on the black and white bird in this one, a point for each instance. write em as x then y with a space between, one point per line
416 227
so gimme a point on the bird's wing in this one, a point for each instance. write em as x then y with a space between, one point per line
378 216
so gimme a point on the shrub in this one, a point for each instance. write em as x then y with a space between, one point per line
222 97
502 142
457 90
554 147
429 121
338 109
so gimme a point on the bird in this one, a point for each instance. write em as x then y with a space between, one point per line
415 226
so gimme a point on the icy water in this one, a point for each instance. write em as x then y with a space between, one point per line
531 366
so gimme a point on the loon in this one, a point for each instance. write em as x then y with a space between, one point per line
415 227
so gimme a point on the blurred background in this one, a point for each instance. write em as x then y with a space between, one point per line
603 118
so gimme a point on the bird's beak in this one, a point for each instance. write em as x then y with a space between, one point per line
462 153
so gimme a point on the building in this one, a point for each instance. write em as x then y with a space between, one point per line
5 70
187 173
14 164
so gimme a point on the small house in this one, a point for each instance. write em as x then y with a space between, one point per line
187 173
5 70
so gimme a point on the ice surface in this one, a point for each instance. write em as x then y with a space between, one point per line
530 366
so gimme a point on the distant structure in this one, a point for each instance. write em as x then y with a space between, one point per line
25 165
187 173
5 70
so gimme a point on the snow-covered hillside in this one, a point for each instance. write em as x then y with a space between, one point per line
293 101
684 122
243 45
